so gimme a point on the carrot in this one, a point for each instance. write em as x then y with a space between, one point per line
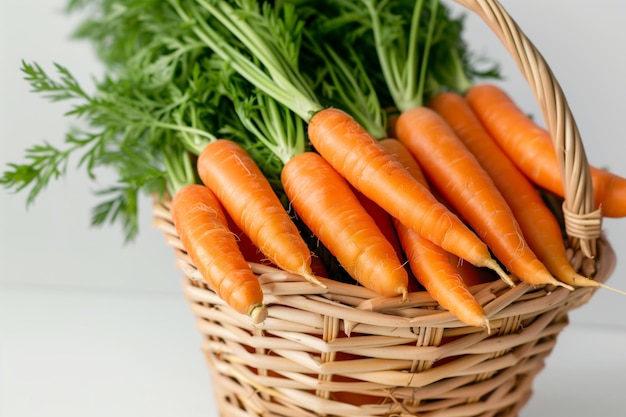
347 148
382 219
456 173
387 226
326 204
431 263
246 194
538 224
247 248
531 148
202 228
254 255
361 160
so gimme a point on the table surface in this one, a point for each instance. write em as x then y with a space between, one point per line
92 326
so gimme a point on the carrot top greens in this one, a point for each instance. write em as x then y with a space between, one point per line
178 74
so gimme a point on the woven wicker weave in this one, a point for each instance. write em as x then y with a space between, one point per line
344 351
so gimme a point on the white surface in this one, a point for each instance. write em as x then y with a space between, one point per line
89 326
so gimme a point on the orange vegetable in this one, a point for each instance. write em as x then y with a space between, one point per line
531 148
456 173
431 263
540 227
249 251
202 228
253 254
387 226
327 205
246 194
365 164
382 219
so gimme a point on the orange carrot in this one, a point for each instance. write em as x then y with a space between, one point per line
360 159
431 263
253 254
327 205
382 219
456 173
202 228
248 249
538 224
387 226
531 148
246 194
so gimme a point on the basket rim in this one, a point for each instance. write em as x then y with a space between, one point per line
356 305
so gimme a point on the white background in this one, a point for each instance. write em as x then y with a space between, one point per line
92 327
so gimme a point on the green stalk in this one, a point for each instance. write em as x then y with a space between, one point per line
274 126
423 74
351 87
179 170
404 71
279 84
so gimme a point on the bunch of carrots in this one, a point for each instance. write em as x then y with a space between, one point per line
276 133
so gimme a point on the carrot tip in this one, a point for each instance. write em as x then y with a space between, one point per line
581 281
313 279
610 288
487 325
402 290
477 319
258 313
493 265
562 284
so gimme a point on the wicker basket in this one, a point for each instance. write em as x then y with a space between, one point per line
344 351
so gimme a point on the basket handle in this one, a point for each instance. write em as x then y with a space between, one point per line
583 224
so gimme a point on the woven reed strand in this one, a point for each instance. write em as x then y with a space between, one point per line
344 351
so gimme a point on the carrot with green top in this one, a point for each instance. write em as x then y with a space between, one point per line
202 227
338 137
531 148
246 194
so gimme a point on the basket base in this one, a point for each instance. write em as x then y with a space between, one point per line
237 397
276 370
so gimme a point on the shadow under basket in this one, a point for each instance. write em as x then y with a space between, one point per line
345 351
